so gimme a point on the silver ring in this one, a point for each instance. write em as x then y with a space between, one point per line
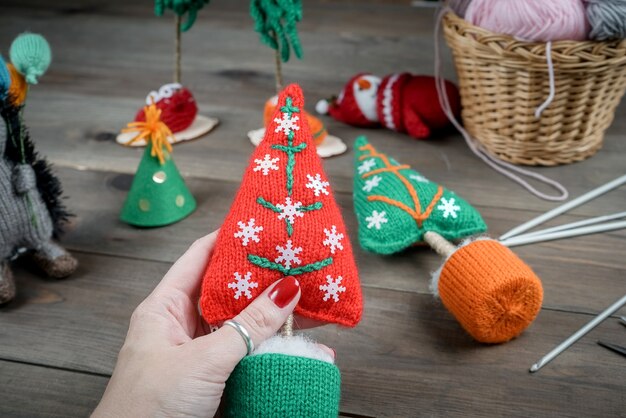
244 334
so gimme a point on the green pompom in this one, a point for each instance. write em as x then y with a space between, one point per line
275 21
31 56
181 7
396 205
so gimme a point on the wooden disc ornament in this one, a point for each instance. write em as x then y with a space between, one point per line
284 222
491 292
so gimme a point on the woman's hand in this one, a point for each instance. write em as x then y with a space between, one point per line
169 365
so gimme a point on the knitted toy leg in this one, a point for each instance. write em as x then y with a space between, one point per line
414 124
55 261
7 284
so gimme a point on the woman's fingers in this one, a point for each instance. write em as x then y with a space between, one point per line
262 319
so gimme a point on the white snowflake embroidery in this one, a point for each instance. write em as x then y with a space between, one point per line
248 232
371 183
287 124
290 210
332 288
419 178
266 164
376 219
242 285
288 255
448 207
333 239
317 184
367 166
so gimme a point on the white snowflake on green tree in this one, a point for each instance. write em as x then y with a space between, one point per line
376 219
366 166
448 207
371 183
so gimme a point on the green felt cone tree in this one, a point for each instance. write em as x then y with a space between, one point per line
396 205
158 195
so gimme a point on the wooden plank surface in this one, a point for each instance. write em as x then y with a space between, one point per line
59 340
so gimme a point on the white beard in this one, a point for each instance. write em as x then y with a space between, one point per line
366 99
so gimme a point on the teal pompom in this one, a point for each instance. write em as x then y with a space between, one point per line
5 79
30 53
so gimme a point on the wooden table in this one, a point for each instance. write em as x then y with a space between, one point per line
408 357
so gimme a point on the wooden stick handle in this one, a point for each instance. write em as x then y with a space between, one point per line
177 47
287 329
438 243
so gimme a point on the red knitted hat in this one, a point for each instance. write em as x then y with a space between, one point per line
345 109
178 107
389 101
284 222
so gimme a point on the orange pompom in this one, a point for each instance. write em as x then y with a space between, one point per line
18 88
490 291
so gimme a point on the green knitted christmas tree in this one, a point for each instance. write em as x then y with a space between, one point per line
396 205
158 195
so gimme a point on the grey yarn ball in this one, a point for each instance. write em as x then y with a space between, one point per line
607 19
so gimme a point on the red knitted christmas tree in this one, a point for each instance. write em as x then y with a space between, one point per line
284 222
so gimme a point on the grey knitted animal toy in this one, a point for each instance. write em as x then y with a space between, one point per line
31 212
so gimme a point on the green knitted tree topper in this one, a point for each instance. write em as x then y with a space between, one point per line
396 205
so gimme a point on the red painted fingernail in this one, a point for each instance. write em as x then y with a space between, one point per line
284 292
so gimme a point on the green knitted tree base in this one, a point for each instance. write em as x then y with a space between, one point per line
158 195
385 204
279 385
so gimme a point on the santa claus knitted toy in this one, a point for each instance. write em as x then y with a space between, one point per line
284 222
491 292
400 102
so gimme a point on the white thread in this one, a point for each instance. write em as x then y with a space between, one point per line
502 167
550 98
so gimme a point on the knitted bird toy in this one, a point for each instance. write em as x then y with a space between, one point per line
179 111
492 293
158 195
284 222
400 102
31 212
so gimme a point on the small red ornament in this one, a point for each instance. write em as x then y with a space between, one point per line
178 107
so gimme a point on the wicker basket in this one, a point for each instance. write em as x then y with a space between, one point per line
503 81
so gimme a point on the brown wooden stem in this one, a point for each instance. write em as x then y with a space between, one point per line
287 329
177 48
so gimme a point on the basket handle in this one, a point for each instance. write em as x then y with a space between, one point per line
507 169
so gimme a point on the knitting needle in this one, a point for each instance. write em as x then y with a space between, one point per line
613 347
585 230
578 334
565 207
577 224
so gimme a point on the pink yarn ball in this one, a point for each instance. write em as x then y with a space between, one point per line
531 20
